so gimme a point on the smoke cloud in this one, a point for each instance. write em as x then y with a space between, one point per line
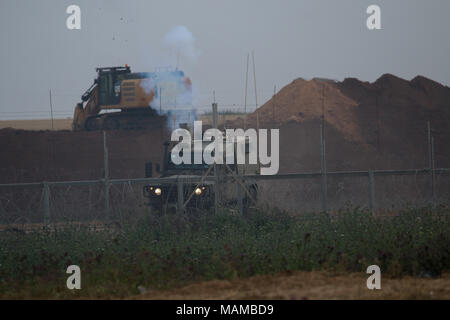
174 93
181 42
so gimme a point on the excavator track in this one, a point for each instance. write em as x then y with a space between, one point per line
127 120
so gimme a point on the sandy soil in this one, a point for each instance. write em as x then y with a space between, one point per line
42 124
223 119
309 285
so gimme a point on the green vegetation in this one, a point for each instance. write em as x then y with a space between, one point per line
160 252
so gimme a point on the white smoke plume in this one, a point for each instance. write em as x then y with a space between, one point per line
181 42
174 94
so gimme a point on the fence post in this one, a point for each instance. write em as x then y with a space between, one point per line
106 168
324 170
239 190
46 194
180 194
107 206
216 176
224 121
431 158
372 192
240 196
433 171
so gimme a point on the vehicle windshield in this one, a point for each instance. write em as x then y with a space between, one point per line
186 166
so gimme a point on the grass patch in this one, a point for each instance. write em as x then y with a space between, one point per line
159 252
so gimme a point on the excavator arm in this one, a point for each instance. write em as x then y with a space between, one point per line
85 97
92 107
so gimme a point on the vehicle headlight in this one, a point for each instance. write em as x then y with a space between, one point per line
158 191
198 191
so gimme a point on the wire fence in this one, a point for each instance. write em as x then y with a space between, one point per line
120 199
327 190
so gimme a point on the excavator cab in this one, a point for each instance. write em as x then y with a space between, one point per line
109 82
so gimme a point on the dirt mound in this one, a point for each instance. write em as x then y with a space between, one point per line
303 101
385 121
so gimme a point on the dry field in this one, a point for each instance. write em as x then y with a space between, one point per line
309 285
66 124
37 124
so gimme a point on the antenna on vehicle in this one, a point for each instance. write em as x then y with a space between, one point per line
245 99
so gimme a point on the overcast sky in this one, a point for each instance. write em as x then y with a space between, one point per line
290 39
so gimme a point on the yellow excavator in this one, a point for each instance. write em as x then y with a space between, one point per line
133 93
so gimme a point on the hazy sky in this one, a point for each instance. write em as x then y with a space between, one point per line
290 39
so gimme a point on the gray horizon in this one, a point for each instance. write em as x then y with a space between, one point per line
290 39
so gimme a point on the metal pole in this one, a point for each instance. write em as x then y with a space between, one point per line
378 121
105 156
273 104
254 80
46 193
224 120
51 107
256 105
239 191
431 157
160 99
180 198
106 168
324 171
323 159
240 196
245 99
323 107
372 192
214 115
216 177
429 143
241 183
433 171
